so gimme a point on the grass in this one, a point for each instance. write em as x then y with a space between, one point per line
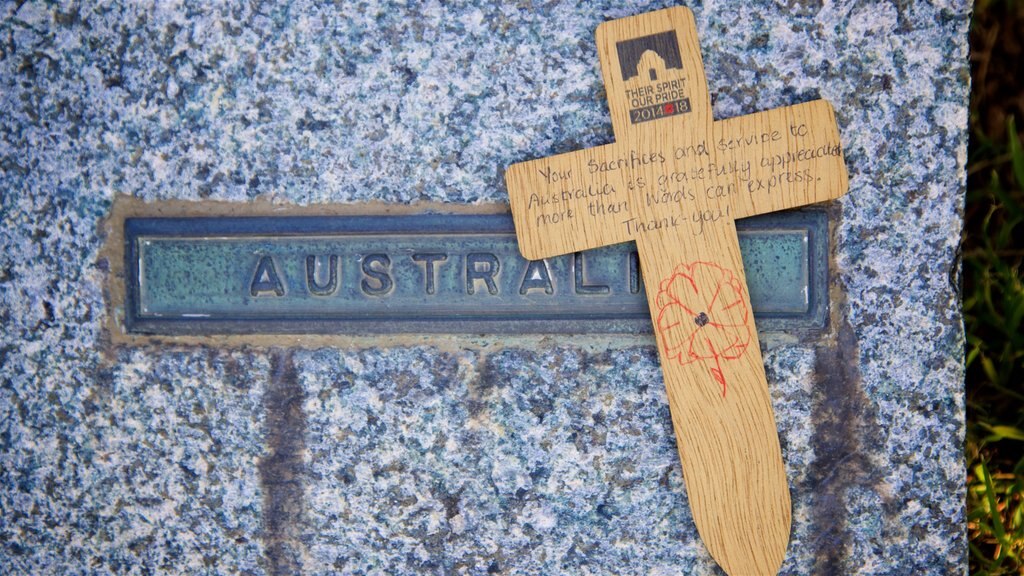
993 294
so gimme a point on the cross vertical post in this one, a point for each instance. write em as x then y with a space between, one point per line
674 181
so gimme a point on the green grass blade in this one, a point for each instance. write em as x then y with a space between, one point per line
998 530
972 355
1001 432
1016 153
990 369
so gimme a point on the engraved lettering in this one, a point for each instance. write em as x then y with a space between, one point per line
266 279
634 272
421 284
579 274
537 276
481 266
429 274
381 274
314 287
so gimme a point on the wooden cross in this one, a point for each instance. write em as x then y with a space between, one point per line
674 182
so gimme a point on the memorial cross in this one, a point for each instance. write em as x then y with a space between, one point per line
675 181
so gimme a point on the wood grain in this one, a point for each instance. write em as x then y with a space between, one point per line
675 181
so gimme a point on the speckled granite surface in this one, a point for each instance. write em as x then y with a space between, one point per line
532 460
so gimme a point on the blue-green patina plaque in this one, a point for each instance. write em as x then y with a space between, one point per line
427 273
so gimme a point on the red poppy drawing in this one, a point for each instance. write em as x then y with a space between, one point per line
703 317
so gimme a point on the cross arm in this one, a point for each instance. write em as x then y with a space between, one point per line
793 153
574 201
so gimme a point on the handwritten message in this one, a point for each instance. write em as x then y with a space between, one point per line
696 185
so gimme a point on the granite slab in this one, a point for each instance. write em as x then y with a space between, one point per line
538 457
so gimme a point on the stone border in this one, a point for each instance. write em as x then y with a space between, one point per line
112 253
